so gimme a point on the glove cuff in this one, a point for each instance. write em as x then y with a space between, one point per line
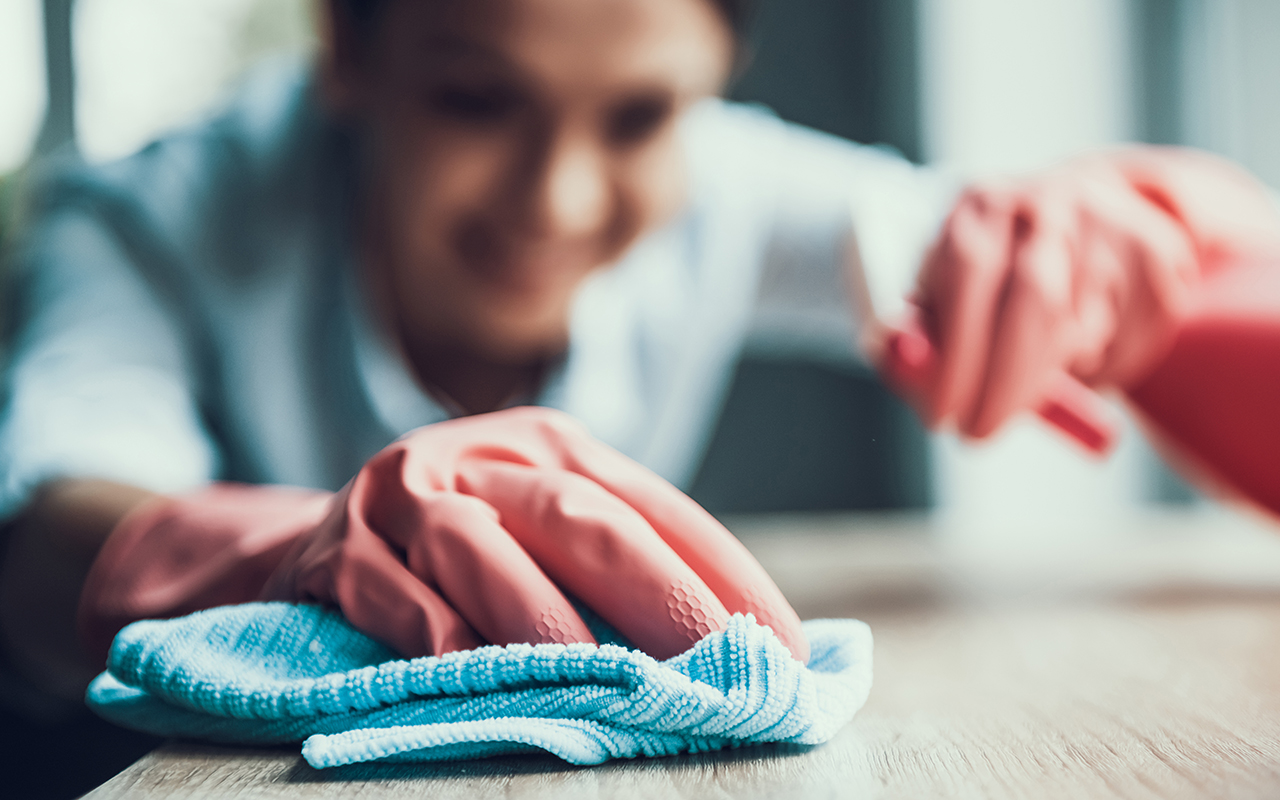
175 555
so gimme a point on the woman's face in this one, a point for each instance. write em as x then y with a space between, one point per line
513 147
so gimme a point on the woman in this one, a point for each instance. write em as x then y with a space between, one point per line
478 205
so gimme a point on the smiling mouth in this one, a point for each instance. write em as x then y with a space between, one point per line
529 268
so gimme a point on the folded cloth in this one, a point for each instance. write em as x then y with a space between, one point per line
277 672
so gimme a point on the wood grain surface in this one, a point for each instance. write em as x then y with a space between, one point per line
1142 666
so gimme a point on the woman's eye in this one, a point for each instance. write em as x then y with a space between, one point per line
473 105
636 121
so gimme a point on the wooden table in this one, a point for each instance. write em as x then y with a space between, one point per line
1143 663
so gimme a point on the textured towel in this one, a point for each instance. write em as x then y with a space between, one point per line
276 672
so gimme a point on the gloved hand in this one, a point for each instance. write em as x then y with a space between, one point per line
1085 271
460 533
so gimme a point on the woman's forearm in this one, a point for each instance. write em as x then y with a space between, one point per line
48 554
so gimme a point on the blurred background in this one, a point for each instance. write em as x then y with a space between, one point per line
976 86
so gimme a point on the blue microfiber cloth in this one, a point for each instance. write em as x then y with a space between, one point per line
265 673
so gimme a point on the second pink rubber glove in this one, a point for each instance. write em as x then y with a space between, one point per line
1086 270
461 533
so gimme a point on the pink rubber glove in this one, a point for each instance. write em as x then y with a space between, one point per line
1081 273
461 533
176 555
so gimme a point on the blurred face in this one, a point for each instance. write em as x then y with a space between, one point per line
513 147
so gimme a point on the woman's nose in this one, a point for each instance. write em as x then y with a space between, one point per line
569 195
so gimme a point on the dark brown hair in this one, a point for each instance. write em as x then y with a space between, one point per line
737 13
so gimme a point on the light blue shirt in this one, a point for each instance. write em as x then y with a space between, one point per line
191 313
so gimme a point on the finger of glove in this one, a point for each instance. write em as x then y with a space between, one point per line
603 552
961 286
457 546
699 540
361 572
1154 286
909 359
1100 257
1031 322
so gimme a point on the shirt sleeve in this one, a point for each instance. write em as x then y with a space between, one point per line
758 245
828 189
99 382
